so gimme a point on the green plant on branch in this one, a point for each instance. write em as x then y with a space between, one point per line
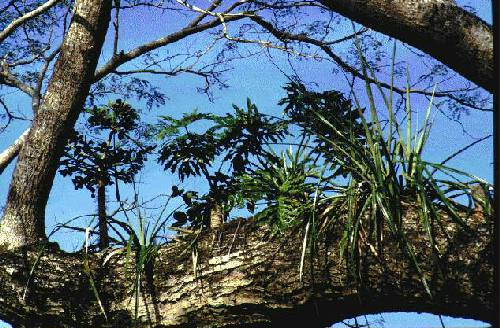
110 150
350 170
221 153
285 189
386 170
145 232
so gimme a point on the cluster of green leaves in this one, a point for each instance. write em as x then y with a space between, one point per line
367 169
231 138
236 155
286 187
309 110
304 107
220 153
108 150
386 169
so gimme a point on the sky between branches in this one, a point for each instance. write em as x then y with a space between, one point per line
261 81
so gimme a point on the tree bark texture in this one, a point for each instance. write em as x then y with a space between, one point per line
216 216
440 28
249 278
23 217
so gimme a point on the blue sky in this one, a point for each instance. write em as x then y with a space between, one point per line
260 80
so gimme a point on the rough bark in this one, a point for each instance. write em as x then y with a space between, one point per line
249 278
23 218
216 216
440 28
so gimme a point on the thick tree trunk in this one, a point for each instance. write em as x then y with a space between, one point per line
23 217
445 31
250 279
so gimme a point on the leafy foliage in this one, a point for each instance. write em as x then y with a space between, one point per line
310 109
231 138
287 188
303 106
221 153
368 170
235 154
108 153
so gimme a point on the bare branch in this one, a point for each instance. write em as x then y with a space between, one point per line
209 11
291 4
122 58
116 26
8 155
7 78
198 19
30 15
209 77
27 61
10 116
348 37
41 75
286 36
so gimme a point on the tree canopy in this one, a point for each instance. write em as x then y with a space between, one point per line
330 193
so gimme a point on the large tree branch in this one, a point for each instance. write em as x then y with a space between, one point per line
250 279
26 17
440 28
8 155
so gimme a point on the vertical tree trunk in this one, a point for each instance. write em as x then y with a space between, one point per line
101 214
216 216
24 214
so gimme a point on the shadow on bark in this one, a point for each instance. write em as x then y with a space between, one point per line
251 279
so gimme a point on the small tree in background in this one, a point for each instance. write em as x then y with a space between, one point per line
108 152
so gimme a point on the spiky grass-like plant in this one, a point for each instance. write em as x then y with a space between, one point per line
385 170
140 244
285 187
